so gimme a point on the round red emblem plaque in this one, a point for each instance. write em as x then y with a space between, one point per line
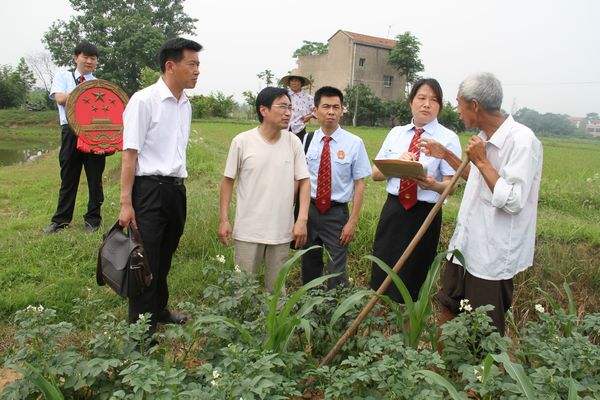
95 113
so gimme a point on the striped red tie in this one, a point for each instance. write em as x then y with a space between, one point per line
324 179
81 79
408 188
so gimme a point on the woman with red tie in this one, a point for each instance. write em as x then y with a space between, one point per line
409 201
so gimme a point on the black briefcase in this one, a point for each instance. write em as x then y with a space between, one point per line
122 264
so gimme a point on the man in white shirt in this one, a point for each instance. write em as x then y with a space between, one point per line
302 104
156 131
495 228
268 163
70 159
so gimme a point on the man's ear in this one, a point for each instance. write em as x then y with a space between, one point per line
475 106
262 110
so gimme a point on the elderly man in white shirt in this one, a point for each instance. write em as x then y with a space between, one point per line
495 229
153 198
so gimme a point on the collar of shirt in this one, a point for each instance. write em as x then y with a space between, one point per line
499 137
429 128
87 77
165 93
336 135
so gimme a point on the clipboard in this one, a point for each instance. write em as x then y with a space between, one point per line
401 168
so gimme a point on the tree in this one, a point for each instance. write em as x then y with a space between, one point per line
266 75
42 66
148 76
15 83
250 100
449 117
405 57
310 49
544 124
127 33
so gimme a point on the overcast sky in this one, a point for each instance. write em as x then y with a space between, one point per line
546 53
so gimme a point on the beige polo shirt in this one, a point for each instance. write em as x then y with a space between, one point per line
265 174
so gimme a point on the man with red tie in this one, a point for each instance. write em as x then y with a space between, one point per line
268 164
410 201
337 164
70 159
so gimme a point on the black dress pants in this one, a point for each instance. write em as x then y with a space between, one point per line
71 161
395 230
160 213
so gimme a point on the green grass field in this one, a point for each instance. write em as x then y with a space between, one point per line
53 270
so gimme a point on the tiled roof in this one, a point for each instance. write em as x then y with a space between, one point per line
371 40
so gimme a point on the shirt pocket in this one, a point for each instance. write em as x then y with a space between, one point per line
390 154
342 169
313 160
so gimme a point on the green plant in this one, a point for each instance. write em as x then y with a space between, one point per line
417 311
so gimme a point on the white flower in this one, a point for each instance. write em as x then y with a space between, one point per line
237 269
220 258
216 374
465 306
213 382
478 375
40 308
539 308
351 280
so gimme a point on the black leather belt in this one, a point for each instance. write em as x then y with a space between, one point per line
170 180
333 203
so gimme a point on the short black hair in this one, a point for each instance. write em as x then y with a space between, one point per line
433 84
172 50
328 91
267 96
86 48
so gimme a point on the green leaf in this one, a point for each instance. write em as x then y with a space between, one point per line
488 361
397 281
348 304
516 372
49 391
212 319
440 380
573 390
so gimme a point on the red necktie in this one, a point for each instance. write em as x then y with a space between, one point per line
81 79
324 179
408 188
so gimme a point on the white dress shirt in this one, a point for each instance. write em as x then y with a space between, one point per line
495 230
157 125
64 82
302 105
398 142
349 162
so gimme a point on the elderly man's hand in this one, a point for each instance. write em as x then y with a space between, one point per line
428 183
432 148
476 150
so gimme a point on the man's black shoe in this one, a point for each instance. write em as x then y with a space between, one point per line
171 317
55 227
89 228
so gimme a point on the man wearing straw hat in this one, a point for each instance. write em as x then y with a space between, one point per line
302 103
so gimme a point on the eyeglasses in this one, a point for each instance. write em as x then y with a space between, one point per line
283 107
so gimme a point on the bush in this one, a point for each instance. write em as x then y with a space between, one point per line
215 105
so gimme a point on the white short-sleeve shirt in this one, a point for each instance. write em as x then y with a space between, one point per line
64 82
398 142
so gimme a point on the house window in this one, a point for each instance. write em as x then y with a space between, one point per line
361 62
387 80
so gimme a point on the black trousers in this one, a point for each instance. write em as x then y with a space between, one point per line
71 161
395 230
325 230
160 213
